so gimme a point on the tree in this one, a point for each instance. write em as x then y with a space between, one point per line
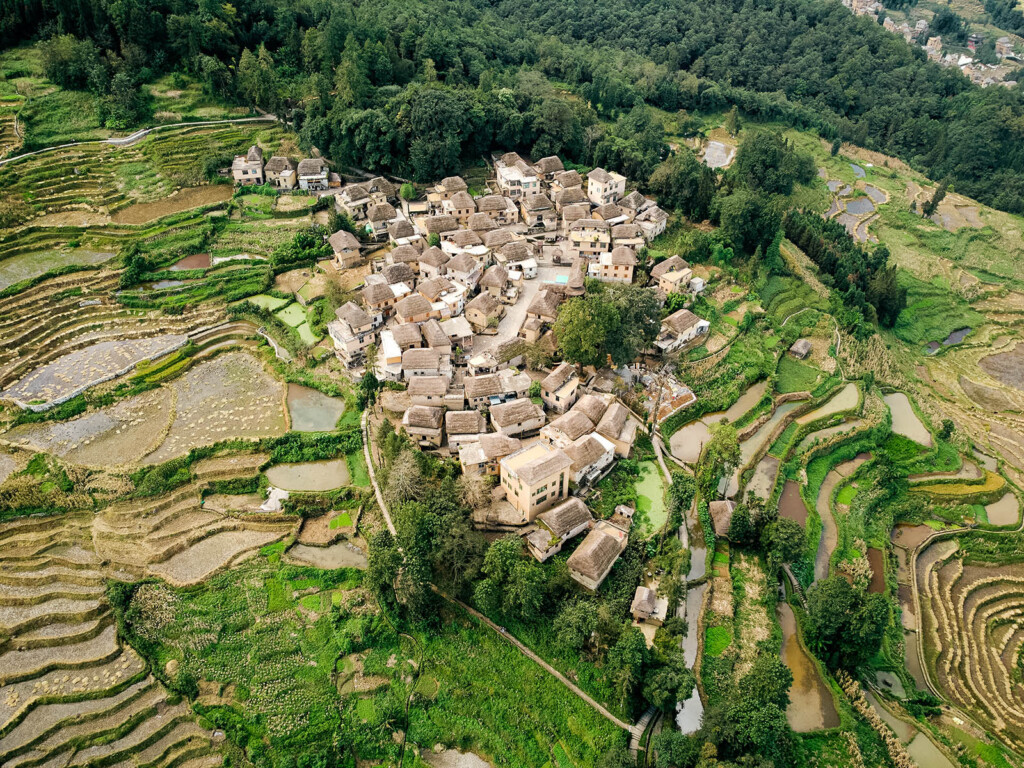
787 540
768 682
947 429
535 389
844 626
383 563
723 447
404 481
749 220
836 146
474 490
407 191
686 184
514 586
256 78
626 661
575 623
932 205
582 330
675 750
732 121
766 162
616 757
668 684
741 528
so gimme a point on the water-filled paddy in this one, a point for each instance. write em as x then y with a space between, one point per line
845 400
28 265
312 410
309 476
905 422
791 503
811 707
1005 511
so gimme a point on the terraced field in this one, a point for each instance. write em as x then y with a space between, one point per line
973 632
71 694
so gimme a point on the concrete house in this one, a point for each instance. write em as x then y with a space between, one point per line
425 425
484 312
421 362
593 559
557 526
652 221
280 171
313 174
614 267
591 455
461 206
346 249
588 239
248 168
482 456
352 332
490 389
534 479
516 178
517 417
605 186
560 388
464 427
679 329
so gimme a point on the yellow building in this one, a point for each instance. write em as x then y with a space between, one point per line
534 478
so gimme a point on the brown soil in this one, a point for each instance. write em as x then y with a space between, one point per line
1006 367
877 561
290 282
190 197
987 397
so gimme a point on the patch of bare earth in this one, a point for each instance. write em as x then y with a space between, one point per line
183 200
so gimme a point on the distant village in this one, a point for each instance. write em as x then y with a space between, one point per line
980 74
467 281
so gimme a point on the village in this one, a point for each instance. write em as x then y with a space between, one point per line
465 285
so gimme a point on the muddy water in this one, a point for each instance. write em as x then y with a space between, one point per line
877 561
746 401
925 753
755 442
956 337
844 400
904 731
912 660
763 481
1006 511
191 197
690 713
910 536
904 421
195 261
313 411
811 707
309 476
791 504
698 556
823 434
686 444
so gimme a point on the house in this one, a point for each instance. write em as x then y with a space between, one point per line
461 206
560 388
380 298
697 285
534 478
566 180
648 608
618 426
346 249
547 167
402 232
404 254
513 252
515 177
248 168
483 455
538 211
354 201
447 299
679 271
449 186
629 235
593 559
501 210
563 198
517 417
652 221
605 186
412 309
464 427
408 336
424 424
633 203
352 332
428 390
614 267
591 455
435 337
421 362
484 312
378 217
459 333
433 262
588 239
465 241
557 526
490 389
481 222
678 329
464 269
570 215
609 212
566 428
313 174
527 267
439 225
801 349
1004 47
497 238
280 171
544 306
399 273
494 281
721 516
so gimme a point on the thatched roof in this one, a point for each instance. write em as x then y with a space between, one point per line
721 515
554 380
595 556
516 412
424 417
465 422
570 514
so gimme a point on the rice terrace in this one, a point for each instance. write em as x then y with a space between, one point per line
511 384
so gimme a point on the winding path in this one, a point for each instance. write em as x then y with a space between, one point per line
127 141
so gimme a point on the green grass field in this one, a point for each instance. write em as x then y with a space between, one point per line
716 640
794 376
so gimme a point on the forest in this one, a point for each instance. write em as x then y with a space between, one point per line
414 87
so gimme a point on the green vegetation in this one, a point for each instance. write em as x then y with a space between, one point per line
794 376
716 640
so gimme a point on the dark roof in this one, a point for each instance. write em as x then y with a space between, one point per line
623 256
420 358
600 175
550 164
573 424
481 222
406 335
497 238
613 421
491 203
486 304
462 262
432 289
569 196
427 385
434 336
401 228
537 202
721 514
375 294
254 155
404 254
352 314
591 406
568 179
681 321
454 184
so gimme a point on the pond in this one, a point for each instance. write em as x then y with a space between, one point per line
1003 512
877 562
923 752
824 434
687 443
763 481
312 410
791 503
875 193
690 713
309 476
859 172
905 422
811 707
846 399
860 206
651 496
195 261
